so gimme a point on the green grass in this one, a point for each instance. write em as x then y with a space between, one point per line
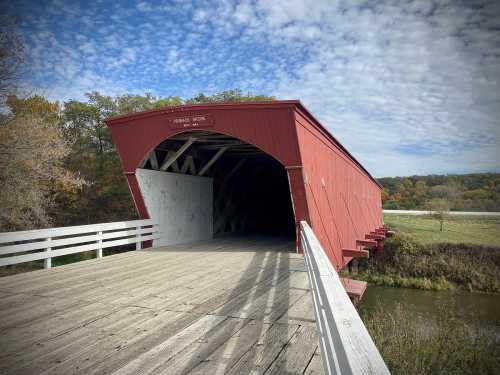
408 263
472 230
465 256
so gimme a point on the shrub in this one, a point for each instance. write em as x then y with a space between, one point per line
445 344
407 263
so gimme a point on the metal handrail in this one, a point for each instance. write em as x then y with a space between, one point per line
346 346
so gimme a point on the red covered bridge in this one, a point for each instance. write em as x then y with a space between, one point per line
272 165
250 210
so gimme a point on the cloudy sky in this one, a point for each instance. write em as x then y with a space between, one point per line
410 87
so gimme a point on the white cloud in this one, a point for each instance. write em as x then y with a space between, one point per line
391 75
407 86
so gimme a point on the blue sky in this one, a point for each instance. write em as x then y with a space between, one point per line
409 87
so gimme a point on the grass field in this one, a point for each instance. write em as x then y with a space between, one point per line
466 255
480 230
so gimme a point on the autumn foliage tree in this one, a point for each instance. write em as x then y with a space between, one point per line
471 192
32 172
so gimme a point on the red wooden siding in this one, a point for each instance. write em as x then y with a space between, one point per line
344 202
329 188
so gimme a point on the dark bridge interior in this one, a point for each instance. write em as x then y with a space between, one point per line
251 190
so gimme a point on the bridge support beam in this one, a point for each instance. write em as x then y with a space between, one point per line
171 159
214 158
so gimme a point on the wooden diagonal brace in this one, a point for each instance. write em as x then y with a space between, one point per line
169 160
217 155
188 164
153 160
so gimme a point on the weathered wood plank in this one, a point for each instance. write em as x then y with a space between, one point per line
160 326
301 312
104 275
262 302
41 310
20 339
56 349
297 353
226 355
315 367
168 310
148 361
200 349
265 350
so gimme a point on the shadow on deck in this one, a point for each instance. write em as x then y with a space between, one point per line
233 305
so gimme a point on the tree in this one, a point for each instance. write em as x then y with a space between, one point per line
471 192
391 205
439 209
36 106
420 192
168 102
229 96
385 195
32 173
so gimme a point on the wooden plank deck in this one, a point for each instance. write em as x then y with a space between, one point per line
225 306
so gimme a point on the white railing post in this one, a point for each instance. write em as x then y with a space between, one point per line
138 245
47 263
99 241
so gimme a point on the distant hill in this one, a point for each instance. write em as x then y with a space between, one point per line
468 192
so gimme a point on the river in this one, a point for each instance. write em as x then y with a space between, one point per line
476 308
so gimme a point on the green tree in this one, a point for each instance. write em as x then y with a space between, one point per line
439 209
168 102
471 192
229 96
420 192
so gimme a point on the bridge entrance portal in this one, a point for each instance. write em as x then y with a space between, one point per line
201 184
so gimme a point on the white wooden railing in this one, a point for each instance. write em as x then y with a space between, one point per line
346 345
30 245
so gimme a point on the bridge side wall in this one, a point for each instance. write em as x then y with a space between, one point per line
181 204
343 200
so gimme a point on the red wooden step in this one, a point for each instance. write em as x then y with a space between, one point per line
355 253
374 236
354 288
367 243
